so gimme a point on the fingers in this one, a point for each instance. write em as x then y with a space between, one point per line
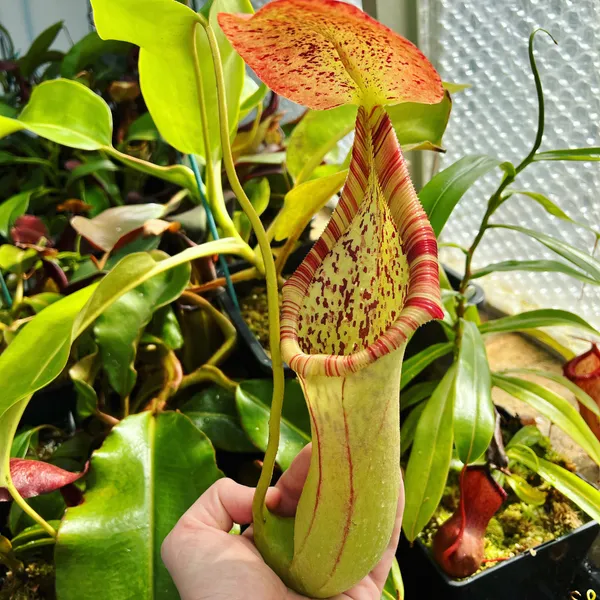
291 483
225 503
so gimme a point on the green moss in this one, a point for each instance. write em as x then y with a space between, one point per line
35 583
517 527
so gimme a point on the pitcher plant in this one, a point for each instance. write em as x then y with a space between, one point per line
364 288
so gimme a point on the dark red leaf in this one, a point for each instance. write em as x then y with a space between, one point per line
33 477
458 545
29 230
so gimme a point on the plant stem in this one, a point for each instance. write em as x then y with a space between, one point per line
5 293
258 507
20 502
216 200
245 275
208 373
213 229
496 198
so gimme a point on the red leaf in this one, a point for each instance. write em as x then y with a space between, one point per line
458 545
29 230
584 371
33 477
323 53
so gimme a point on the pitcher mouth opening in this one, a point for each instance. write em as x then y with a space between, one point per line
372 278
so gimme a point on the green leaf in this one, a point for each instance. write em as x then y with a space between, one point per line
545 317
442 193
259 194
15 259
253 399
577 154
24 440
582 396
474 414
409 425
420 126
555 408
118 329
394 586
83 374
91 168
167 66
49 506
574 488
544 266
65 112
37 53
165 326
529 436
143 128
415 364
429 460
525 492
87 51
32 534
416 393
304 200
40 350
214 411
149 471
581 259
11 209
318 133
252 95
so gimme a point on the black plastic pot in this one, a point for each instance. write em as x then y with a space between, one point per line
258 362
546 573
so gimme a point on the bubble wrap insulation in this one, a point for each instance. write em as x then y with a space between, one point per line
484 43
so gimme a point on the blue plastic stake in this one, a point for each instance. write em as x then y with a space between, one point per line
5 292
212 226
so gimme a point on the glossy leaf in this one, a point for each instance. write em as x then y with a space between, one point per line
24 440
165 326
336 65
253 399
429 460
442 193
259 194
143 129
149 471
11 209
576 154
167 66
524 491
34 477
580 394
543 266
36 55
474 413
87 51
318 133
9 421
83 374
529 436
214 411
252 95
555 408
415 364
417 393
545 317
574 488
394 586
51 333
409 425
15 259
579 258
32 534
65 112
304 201
420 126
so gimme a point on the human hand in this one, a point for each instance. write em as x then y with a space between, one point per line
207 563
